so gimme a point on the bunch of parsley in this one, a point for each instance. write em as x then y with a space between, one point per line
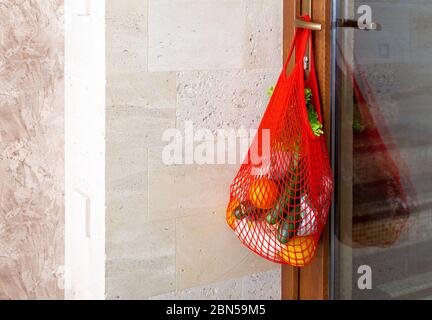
316 125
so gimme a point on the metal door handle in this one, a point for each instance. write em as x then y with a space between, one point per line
315 26
348 23
308 25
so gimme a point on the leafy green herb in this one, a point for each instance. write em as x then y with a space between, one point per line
270 91
316 125
357 124
308 96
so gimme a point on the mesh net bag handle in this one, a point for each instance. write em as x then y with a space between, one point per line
280 197
302 38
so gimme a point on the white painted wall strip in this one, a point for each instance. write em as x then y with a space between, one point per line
85 149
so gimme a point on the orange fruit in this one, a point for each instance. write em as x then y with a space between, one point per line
298 251
240 187
263 193
230 217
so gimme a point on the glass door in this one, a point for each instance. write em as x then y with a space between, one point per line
382 97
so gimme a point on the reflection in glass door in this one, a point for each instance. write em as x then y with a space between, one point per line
382 241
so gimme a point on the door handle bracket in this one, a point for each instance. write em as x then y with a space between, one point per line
349 23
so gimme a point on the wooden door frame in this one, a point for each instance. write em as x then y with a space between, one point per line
311 282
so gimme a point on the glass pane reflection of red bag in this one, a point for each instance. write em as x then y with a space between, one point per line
280 197
382 202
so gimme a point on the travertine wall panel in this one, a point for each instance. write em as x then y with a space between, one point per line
206 61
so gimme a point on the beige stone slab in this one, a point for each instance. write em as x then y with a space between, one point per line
137 181
176 191
208 251
129 132
264 34
263 286
137 126
124 160
179 190
140 260
224 290
131 279
126 183
124 8
127 201
127 206
224 99
142 241
142 89
126 36
196 34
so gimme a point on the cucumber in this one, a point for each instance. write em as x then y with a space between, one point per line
248 210
295 190
279 211
275 214
286 231
288 227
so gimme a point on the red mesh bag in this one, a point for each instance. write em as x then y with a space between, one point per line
280 197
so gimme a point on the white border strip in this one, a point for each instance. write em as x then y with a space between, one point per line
85 149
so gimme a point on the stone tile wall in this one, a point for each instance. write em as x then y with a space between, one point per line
168 62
